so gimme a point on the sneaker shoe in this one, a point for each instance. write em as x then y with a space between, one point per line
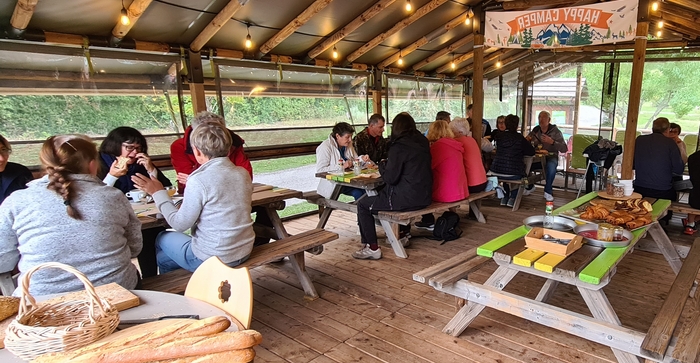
529 189
548 197
504 201
315 250
690 230
425 226
366 253
511 202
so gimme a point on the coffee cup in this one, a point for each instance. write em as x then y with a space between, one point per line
136 195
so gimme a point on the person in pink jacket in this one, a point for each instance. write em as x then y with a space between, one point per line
473 165
449 178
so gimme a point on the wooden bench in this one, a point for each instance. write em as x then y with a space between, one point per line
684 208
533 176
293 247
658 337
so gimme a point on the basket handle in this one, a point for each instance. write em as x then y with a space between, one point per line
27 301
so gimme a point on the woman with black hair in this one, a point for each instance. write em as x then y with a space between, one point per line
128 144
13 176
335 152
408 179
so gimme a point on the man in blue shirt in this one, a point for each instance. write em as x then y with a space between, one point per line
485 125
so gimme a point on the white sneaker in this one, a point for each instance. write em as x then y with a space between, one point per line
529 191
548 197
366 253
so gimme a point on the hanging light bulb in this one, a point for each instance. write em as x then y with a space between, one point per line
467 21
655 6
248 39
408 5
498 64
660 24
124 17
400 60
335 53
658 34
453 65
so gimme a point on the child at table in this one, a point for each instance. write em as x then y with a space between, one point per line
70 216
216 206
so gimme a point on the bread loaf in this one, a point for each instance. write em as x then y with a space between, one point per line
155 333
148 351
234 356
121 162
9 305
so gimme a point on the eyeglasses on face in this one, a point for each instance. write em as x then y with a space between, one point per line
132 147
5 151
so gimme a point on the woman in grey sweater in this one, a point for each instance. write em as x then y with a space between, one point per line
70 216
216 206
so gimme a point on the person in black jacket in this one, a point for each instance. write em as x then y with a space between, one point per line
408 180
508 163
13 176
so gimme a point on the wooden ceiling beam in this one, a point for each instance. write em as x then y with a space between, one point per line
680 21
350 27
216 24
421 12
652 44
444 51
526 4
23 13
506 52
447 68
688 4
691 15
424 40
134 12
293 25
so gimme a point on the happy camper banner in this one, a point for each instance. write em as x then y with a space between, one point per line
607 22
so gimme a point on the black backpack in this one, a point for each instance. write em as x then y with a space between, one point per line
447 227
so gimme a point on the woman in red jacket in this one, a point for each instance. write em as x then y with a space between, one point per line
473 166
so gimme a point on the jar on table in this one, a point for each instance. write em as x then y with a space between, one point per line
618 233
605 232
618 190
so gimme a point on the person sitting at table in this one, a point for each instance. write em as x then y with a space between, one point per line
474 168
70 216
447 163
371 141
219 219
674 130
690 224
548 137
13 176
656 160
500 127
334 153
184 162
508 163
128 143
408 182
485 125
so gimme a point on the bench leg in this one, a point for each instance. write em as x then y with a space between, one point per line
601 309
499 279
521 191
395 244
666 247
474 207
304 279
547 290
326 213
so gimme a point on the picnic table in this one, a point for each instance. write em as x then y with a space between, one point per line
589 269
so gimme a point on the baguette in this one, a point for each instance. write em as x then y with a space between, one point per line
155 333
178 348
234 356
9 305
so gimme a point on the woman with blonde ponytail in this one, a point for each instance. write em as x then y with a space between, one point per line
70 216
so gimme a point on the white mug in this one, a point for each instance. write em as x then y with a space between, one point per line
136 195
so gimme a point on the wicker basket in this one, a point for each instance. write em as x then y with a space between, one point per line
62 326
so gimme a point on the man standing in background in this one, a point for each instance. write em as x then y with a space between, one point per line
371 141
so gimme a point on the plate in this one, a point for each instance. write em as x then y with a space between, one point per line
604 194
560 223
594 242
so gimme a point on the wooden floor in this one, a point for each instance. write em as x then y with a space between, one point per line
372 311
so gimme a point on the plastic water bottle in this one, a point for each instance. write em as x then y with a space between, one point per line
548 217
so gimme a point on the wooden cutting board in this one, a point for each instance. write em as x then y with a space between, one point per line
120 297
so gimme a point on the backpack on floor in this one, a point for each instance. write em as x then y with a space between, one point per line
447 227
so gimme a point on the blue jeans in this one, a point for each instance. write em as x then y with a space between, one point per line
506 186
356 193
551 171
174 251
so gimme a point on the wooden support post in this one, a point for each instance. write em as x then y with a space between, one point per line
196 81
377 103
478 76
23 13
640 44
577 100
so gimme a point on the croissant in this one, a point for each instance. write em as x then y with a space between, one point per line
635 223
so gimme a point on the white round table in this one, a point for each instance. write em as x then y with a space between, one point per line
154 304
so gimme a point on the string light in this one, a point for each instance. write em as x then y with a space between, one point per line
470 15
400 61
498 64
335 53
660 24
658 34
124 17
248 39
655 6
467 21
453 65
408 5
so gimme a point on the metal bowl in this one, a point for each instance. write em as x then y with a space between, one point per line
595 242
560 223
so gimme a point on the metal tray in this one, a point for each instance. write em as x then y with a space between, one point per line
560 223
594 242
